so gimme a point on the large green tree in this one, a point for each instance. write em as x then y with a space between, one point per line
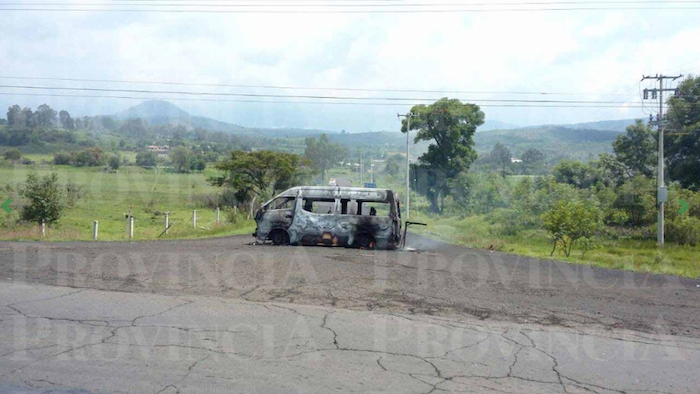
682 145
450 125
323 154
261 173
636 149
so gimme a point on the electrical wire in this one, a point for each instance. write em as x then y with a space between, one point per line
281 87
304 102
256 95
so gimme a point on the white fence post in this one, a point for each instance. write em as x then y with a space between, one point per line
43 228
167 214
94 230
131 227
194 219
218 211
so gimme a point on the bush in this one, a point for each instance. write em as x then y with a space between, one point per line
44 199
570 222
146 159
89 158
13 154
683 230
63 159
114 162
74 192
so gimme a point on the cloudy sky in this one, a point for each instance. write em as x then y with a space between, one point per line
590 55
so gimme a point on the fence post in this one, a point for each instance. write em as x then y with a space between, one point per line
131 227
218 211
167 214
94 230
43 228
194 219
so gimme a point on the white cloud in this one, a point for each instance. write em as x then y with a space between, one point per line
564 52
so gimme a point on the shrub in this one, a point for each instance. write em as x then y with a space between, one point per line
683 230
13 154
63 159
89 158
570 222
114 162
44 199
74 192
146 159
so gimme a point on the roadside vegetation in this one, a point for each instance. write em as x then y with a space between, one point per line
518 199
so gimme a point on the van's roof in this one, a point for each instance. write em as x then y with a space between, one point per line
333 191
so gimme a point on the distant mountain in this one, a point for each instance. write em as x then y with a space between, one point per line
158 112
553 141
496 125
611 125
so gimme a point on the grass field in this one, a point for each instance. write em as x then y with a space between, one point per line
479 232
108 197
149 193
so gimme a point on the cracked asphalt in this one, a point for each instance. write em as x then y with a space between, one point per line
222 315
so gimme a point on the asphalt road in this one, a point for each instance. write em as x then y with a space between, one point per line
222 315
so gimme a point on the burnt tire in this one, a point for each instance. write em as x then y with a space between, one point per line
279 238
365 241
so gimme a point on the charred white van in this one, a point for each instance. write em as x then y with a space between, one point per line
332 216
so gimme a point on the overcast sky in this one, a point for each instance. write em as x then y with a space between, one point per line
587 52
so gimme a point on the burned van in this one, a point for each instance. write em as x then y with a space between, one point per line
331 216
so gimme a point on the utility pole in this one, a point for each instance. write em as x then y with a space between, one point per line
408 117
662 192
361 169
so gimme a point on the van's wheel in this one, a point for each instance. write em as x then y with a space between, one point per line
279 238
365 241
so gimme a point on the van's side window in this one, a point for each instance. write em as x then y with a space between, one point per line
374 208
348 207
323 206
282 203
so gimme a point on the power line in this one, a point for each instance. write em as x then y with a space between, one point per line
302 102
256 95
365 11
281 87
186 3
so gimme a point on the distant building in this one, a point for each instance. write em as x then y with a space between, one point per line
514 160
159 150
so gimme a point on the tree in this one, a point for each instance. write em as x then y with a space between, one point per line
683 148
575 173
533 159
14 117
395 165
502 157
180 156
114 162
261 173
146 159
570 222
451 126
198 163
636 149
45 116
44 199
13 154
66 121
90 157
323 154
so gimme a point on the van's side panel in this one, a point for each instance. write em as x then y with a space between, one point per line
338 229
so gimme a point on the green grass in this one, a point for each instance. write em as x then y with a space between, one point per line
109 196
642 256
